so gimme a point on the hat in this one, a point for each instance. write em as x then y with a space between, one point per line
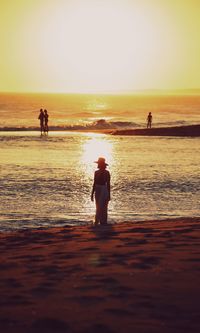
101 160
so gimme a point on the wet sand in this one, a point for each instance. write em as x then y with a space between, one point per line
132 277
182 131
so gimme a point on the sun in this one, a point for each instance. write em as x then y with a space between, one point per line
91 45
98 46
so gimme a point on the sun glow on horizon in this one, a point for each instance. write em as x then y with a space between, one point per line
92 46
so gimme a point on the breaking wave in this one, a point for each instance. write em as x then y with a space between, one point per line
100 124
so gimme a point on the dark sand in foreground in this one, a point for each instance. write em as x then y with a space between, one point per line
139 277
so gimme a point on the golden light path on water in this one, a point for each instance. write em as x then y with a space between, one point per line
94 147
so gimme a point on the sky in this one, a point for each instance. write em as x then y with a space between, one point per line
96 46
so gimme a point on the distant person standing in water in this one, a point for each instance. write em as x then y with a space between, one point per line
101 190
149 120
46 120
41 118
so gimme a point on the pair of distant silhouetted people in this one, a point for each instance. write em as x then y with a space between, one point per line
101 191
44 120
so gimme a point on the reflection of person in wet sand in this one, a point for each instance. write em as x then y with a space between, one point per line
101 190
46 120
41 118
149 120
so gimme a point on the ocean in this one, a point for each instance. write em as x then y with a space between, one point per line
46 180
78 111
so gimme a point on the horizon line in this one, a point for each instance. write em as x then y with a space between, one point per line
116 92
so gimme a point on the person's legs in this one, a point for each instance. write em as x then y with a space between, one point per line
46 128
96 219
101 198
104 214
97 215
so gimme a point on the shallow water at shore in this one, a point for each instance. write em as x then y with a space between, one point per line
46 181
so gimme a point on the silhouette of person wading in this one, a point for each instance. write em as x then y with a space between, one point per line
149 120
101 190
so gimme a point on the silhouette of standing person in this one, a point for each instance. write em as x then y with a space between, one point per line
101 190
46 120
149 120
41 118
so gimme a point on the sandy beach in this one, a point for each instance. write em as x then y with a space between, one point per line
131 277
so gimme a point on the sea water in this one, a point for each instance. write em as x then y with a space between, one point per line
47 180
22 110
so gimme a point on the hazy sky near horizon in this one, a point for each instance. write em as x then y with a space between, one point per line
99 45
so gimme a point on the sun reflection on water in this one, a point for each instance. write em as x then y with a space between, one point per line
95 146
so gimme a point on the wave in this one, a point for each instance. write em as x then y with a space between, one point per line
100 124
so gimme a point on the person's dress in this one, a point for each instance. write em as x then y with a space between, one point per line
101 198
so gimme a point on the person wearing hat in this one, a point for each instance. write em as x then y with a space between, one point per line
101 190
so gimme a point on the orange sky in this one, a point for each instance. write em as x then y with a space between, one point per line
99 45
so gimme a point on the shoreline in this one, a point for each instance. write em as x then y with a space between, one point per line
177 131
124 277
90 224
